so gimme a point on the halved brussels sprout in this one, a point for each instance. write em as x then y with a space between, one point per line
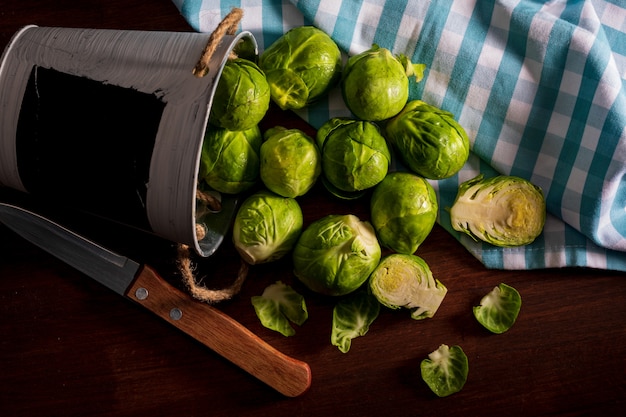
375 84
355 155
336 254
290 162
499 309
503 210
242 96
445 371
404 210
430 142
406 281
229 161
266 227
301 66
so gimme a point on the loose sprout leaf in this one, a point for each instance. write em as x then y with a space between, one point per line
278 306
352 317
499 309
445 370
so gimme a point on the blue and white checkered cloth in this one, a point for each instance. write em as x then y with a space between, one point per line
539 86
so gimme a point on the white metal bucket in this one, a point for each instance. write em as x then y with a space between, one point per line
112 122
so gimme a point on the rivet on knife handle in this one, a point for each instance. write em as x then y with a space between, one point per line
221 333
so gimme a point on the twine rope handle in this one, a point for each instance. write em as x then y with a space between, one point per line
202 293
227 26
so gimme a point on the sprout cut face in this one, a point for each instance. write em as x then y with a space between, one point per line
266 227
503 210
404 210
406 281
431 143
336 254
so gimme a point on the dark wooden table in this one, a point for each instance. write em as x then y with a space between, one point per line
70 347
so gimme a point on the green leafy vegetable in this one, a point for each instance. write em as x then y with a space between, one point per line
336 254
290 162
499 309
355 155
375 84
266 227
430 142
406 281
352 317
278 306
404 210
502 210
445 371
229 161
242 96
301 66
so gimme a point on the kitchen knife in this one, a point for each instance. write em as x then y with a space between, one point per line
142 284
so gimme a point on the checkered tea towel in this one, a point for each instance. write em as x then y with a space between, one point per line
539 86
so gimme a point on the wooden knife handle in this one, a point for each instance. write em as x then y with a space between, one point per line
221 333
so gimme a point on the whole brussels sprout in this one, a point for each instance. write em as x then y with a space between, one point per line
404 210
375 84
406 281
301 66
355 155
336 254
290 161
266 227
429 140
229 161
503 210
242 96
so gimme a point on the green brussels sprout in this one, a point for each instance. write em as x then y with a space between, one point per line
266 227
278 306
499 309
504 210
301 66
355 155
242 96
406 281
375 84
404 210
352 317
290 162
431 143
229 160
445 370
336 254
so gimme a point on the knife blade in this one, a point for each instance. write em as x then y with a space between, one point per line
143 285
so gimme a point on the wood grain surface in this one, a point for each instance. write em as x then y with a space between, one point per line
70 347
